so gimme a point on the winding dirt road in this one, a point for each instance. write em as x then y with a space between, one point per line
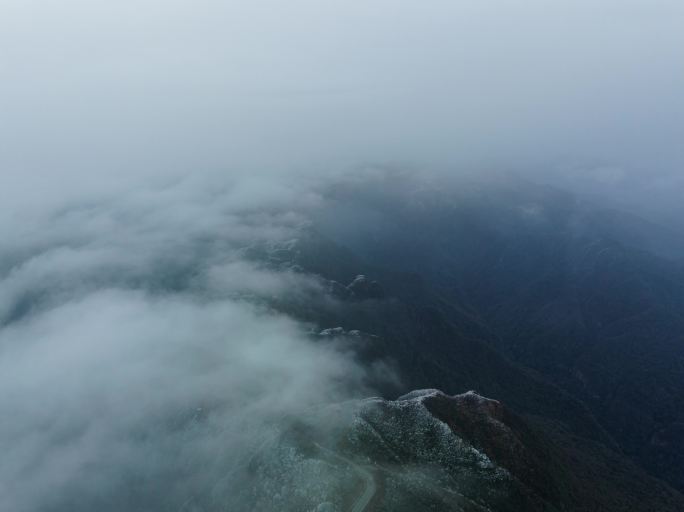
370 487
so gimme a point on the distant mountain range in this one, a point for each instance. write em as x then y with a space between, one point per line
568 318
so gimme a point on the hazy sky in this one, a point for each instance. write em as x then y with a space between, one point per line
92 88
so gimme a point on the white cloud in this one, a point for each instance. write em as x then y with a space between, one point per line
133 349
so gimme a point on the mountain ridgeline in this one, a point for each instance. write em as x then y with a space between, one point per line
568 317
390 345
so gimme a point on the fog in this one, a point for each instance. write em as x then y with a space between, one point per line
145 144
92 91
139 350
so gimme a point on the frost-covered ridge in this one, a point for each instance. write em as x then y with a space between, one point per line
384 455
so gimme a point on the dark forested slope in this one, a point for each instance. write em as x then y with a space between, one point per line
558 307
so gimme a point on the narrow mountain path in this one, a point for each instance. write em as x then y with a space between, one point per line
370 487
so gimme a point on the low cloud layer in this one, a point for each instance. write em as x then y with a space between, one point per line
139 359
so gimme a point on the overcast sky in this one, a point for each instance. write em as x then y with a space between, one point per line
92 91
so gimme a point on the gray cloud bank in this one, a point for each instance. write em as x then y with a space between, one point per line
93 91
139 360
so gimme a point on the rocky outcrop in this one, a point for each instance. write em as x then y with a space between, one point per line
364 288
